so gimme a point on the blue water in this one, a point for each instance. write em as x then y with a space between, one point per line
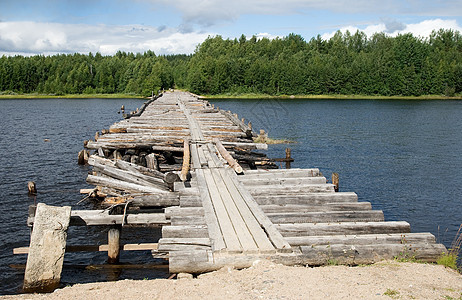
402 156
25 155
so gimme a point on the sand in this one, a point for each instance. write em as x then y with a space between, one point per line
265 280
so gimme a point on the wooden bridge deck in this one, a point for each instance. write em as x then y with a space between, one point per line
215 217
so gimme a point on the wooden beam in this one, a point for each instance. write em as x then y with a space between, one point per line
186 160
225 154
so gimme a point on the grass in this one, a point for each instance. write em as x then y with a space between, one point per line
391 293
450 258
329 97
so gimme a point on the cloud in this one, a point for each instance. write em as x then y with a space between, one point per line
50 38
393 28
211 12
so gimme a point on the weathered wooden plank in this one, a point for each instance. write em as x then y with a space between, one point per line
310 229
122 185
209 213
273 208
261 239
183 211
242 231
363 239
47 246
366 254
186 160
185 231
274 235
282 189
276 181
305 198
326 216
224 220
225 154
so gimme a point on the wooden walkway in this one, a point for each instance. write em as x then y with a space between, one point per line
231 206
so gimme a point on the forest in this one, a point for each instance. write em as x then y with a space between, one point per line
346 64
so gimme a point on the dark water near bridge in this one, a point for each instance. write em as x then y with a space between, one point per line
402 156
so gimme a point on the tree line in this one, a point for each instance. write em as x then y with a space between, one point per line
350 64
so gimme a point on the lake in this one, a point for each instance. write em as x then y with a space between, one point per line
402 156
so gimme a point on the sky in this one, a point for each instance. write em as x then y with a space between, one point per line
48 27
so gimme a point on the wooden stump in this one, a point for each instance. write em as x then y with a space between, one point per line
47 247
335 181
113 237
32 188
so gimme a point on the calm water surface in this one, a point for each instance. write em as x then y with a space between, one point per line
402 156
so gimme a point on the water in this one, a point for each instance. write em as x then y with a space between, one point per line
26 155
402 156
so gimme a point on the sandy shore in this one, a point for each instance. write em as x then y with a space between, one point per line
265 280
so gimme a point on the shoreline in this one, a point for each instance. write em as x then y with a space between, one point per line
234 96
266 280
72 96
328 97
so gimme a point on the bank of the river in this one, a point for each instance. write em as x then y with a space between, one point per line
328 97
72 96
265 280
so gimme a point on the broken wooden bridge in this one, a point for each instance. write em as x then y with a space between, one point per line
191 168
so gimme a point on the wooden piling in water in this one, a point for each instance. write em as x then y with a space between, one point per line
113 241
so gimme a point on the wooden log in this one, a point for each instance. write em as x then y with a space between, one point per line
82 158
171 178
102 217
363 239
335 181
96 248
309 229
151 162
258 146
367 254
147 200
183 211
326 216
136 178
135 168
182 244
113 237
225 154
273 208
306 198
31 188
284 189
122 185
281 181
282 173
186 161
47 246
185 231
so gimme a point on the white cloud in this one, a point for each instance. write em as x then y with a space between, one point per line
422 29
209 12
50 38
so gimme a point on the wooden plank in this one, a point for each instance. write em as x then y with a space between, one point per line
310 229
122 185
242 231
259 236
224 220
96 248
326 216
306 198
209 213
363 239
273 208
274 235
275 181
47 246
185 231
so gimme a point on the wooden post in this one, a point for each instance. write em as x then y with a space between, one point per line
47 246
82 157
151 161
288 158
335 181
113 241
186 160
32 188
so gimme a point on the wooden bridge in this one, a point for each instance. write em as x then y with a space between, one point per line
191 168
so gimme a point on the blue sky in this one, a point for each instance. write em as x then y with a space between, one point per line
50 26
